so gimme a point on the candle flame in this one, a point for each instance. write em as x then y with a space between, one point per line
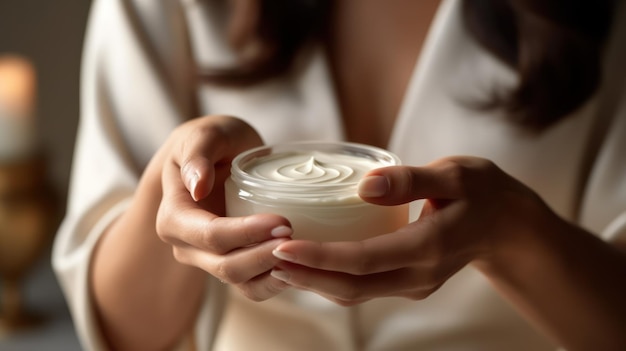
17 85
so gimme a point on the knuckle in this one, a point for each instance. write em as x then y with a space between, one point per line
212 243
348 303
178 255
209 130
435 278
423 291
250 293
163 223
456 169
231 126
261 290
344 303
274 287
459 174
181 129
212 238
432 282
421 294
351 293
431 290
484 164
196 131
225 272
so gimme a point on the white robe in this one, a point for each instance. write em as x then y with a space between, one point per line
138 83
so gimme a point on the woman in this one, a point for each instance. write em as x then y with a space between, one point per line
531 262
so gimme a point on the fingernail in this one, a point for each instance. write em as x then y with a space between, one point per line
280 274
285 256
193 183
373 186
281 231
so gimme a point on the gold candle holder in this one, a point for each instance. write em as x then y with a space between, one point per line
26 223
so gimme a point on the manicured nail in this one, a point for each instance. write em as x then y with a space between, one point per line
373 186
285 256
281 231
280 274
193 183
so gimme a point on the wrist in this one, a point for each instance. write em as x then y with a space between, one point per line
529 233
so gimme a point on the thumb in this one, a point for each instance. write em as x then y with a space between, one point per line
198 176
401 184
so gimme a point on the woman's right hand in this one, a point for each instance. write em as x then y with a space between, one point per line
195 162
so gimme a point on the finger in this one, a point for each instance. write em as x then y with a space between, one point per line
262 287
181 220
198 176
219 235
378 254
196 159
224 234
208 142
176 187
346 289
236 267
445 179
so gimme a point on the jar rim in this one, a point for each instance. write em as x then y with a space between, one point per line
238 173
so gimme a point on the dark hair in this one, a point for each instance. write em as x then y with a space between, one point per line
271 45
555 46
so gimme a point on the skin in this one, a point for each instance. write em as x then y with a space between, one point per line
566 281
166 241
563 279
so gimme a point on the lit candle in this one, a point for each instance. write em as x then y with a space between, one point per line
17 100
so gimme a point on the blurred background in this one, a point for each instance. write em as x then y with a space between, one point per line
40 51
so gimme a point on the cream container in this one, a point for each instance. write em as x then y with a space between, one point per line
313 185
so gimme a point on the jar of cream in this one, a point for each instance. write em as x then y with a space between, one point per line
313 185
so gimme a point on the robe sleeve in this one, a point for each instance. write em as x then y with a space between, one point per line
137 84
603 207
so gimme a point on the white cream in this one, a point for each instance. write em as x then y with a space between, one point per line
315 187
311 167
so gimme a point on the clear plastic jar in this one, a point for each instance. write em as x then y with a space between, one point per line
313 185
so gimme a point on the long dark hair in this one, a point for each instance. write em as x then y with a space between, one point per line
555 46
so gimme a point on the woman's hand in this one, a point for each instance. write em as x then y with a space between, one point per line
473 211
173 232
195 163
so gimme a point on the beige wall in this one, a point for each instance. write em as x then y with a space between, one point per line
50 32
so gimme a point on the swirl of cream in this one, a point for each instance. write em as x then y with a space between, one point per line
312 171
312 168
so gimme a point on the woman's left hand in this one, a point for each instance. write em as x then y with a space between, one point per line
473 211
